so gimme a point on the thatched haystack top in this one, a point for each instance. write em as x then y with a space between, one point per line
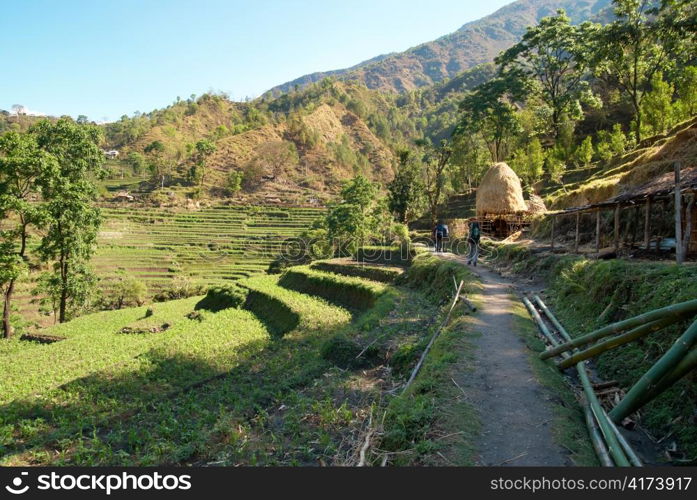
536 205
500 192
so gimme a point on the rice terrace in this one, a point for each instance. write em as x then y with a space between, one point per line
477 252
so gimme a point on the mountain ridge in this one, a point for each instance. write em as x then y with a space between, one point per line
474 43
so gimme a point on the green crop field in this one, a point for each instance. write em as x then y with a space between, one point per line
253 385
210 246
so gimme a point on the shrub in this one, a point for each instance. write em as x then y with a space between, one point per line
223 297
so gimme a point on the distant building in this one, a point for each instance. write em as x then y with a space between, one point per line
111 154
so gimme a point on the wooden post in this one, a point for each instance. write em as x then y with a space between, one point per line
647 223
553 222
578 222
678 215
617 228
597 231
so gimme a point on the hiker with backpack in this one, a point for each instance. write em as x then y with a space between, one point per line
475 233
440 232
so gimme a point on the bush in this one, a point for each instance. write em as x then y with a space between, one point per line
223 297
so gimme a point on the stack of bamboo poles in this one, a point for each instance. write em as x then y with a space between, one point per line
679 360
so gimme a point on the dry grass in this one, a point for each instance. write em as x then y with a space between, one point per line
536 204
500 192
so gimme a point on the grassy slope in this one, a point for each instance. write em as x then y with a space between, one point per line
587 294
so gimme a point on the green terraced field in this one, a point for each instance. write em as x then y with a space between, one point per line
225 387
210 246
207 247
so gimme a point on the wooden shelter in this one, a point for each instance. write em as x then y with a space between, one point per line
661 188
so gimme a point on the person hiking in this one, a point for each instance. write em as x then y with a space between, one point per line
440 232
475 234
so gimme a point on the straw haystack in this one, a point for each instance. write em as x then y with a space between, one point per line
536 205
500 192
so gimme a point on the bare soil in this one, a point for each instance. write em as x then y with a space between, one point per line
515 409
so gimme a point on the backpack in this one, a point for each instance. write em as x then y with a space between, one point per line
442 230
475 233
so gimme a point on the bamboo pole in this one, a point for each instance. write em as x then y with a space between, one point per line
541 324
613 444
614 447
613 342
617 228
647 223
553 319
626 447
632 400
675 311
596 438
416 369
578 223
685 366
597 231
678 215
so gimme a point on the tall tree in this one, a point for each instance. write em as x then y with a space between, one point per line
73 220
406 191
157 161
435 161
631 50
551 59
23 170
488 111
202 150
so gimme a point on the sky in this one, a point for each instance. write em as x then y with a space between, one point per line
107 58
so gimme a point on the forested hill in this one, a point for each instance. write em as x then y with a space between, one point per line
474 43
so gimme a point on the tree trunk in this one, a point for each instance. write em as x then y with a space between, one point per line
6 326
64 292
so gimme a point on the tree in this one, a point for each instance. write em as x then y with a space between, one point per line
234 182
631 50
72 219
529 161
686 105
584 152
435 162
129 291
24 168
352 221
611 143
551 59
202 150
137 162
406 191
488 112
157 161
657 106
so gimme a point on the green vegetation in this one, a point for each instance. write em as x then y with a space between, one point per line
349 267
350 292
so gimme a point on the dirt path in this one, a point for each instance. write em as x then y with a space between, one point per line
514 408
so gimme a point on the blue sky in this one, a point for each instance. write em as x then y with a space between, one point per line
106 58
